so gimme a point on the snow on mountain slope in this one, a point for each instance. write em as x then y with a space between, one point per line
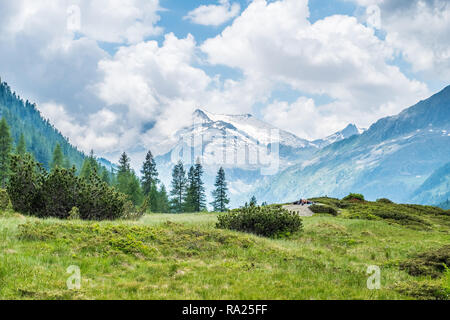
255 128
349 131
248 149
391 159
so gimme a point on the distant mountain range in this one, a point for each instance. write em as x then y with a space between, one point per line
238 143
402 157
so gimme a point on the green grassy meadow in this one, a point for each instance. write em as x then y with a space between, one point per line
183 256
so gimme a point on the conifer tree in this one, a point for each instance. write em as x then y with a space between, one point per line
124 163
220 196
153 198
191 192
90 165
178 192
195 197
163 201
127 182
5 149
149 174
200 199
58 157
21 147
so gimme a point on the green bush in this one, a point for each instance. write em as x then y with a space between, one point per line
323 209
354 196
4 200
267 221
34 191
384 200
431 263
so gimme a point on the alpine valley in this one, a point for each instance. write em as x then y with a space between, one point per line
403 157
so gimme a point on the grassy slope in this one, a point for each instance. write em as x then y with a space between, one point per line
190 259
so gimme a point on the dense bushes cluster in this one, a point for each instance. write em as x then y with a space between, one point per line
384 200
268 221
411 215
354 196
323 209
431 263
34 191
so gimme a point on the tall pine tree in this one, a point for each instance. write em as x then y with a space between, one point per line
124 163
127 181
149 174
191 192
163 200
178 192
5 149
220 196
199 188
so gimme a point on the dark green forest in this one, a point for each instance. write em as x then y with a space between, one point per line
41 137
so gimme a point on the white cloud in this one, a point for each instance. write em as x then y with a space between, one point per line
214 15
140 96
157 88
419 29
336 56
120 21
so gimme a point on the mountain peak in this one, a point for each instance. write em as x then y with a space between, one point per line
351 130
201 115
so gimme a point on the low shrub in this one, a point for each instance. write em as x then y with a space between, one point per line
354 196
384 200
323 209
74 214
4 200
432 263
268 221
424 290
401 218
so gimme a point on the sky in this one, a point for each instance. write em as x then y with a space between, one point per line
125 75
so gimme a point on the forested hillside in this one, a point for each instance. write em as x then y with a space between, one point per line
40 135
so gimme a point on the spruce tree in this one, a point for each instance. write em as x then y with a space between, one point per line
191 192
200 196
58 157
220 196
21 147
163 200
127 181
124 163
178 192
133 189
149 174
153 198
5 149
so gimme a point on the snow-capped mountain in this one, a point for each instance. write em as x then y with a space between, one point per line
250 150
349 131
393 158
